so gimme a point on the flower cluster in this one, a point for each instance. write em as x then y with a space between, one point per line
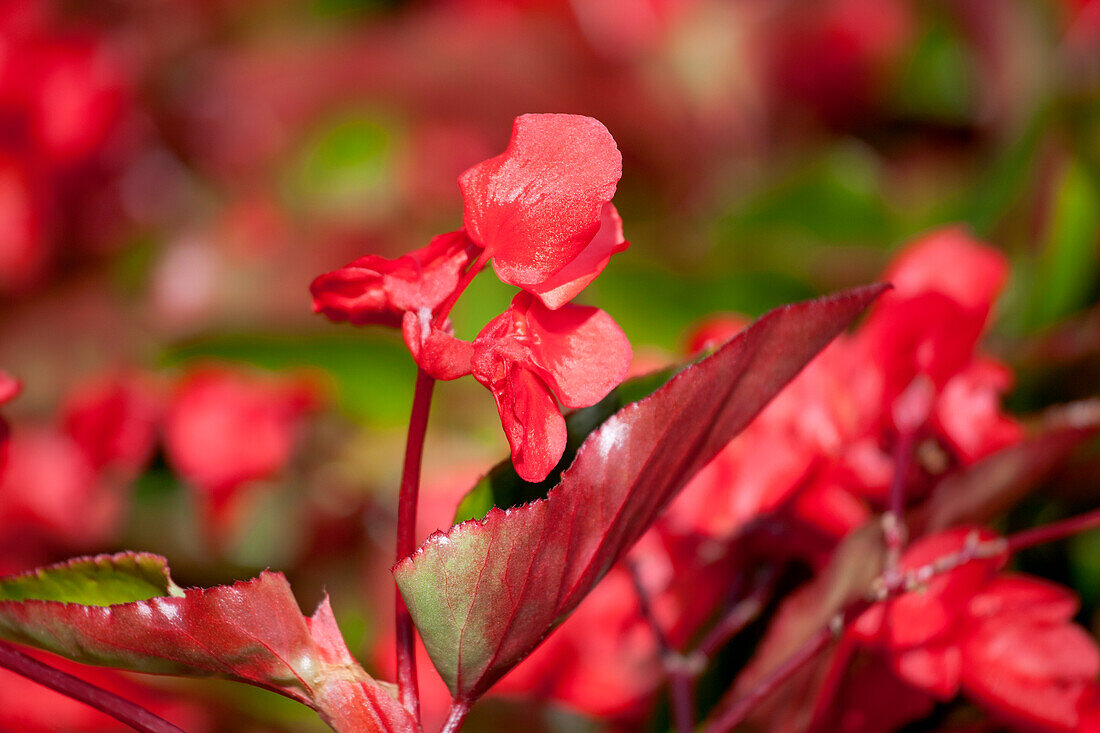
65 482
62 92
1006 640
541 212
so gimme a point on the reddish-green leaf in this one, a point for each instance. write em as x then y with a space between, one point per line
485 594
124 611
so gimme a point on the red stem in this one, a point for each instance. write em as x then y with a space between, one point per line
739 710
838 665
107 702
737 618
408 499
408 689
1051 532
456 716
680 679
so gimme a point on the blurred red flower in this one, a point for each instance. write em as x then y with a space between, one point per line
227 428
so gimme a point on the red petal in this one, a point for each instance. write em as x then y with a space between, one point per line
537 206
933 668
1029 672
951 262
375 289
1026 596
580 351
354 293
532 423
566 283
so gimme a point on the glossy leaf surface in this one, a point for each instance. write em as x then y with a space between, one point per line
124 611
486 593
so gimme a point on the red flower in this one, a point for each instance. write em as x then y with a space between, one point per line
9 390
529 355
945 284
542 209
1006 640
49 489
374 289
225 429
114 419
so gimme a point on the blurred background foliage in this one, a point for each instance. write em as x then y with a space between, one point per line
221 154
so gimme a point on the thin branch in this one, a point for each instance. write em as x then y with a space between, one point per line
739 710
1053 532
910 412
681 679
102 700
738 617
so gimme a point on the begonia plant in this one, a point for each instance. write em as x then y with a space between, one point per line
828 482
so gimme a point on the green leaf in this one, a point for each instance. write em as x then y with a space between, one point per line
1067 267
94 581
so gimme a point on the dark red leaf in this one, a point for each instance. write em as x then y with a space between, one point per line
486 593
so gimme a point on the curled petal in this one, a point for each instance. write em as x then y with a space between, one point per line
528 355
375 289
532 423
538 205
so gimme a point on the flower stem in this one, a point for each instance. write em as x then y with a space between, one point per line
681 681
107 702
456 716
407 685
1052 532
408 689
739 616
742 706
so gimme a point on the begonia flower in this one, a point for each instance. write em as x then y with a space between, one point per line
530 357
377 290
9 390
1005 640
225 429
114 419
945 284
542 208
49 489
